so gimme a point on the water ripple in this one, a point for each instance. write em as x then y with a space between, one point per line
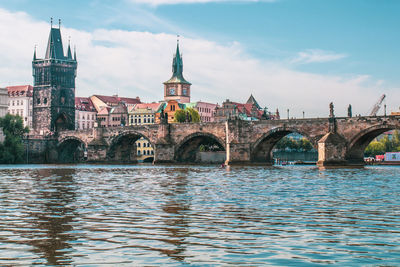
90 215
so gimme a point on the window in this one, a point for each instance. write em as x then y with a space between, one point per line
138 152
138 144
13 103
37 101
45 100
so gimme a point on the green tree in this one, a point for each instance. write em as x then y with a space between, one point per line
375 148
305 144
181 115
396 140
12 149
194 115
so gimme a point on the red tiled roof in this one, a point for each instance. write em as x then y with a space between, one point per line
116 99
20 90
247 109
104 111
153 106
84 104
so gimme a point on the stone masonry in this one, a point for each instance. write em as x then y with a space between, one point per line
244 142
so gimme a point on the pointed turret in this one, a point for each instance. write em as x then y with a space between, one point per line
69 53
34 54
75 53
177 88
177 68
54 45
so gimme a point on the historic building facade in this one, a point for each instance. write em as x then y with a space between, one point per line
54 87
205 110
3 102
85 113
20 102
177 88
143 114
249 111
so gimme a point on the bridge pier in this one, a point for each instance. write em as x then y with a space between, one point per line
239 154
97 152
164 153
332 151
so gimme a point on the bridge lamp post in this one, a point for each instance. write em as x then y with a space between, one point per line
303 114
287 113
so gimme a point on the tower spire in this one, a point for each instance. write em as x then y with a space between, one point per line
69 54
74 52
177 64
54 45
51 22
34 53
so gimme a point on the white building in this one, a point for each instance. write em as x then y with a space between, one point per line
20 102
3 102
85 113
3 108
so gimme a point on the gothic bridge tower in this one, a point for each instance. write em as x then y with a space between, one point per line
54 87
177 88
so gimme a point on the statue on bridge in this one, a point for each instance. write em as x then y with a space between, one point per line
163 116
349 111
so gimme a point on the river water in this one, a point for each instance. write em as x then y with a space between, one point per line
91 215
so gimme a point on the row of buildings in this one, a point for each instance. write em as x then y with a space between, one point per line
50 105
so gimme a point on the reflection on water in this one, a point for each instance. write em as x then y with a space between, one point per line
146 215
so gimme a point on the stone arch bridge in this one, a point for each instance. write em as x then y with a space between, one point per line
340 141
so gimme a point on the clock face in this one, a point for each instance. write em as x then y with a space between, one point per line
172 91
184 91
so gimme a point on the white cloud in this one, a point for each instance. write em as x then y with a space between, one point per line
317 56
137 63
173 2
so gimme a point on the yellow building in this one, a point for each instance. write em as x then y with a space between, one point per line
143 114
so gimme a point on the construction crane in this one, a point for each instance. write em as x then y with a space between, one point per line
377 106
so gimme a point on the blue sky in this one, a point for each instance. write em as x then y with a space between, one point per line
344 39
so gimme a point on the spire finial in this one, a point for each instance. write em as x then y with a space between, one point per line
59 23
51 21
177 39
34 53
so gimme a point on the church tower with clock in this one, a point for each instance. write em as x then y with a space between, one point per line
177 88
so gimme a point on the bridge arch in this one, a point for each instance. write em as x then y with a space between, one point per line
186 149
71 149
123 148
261 150
358 143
